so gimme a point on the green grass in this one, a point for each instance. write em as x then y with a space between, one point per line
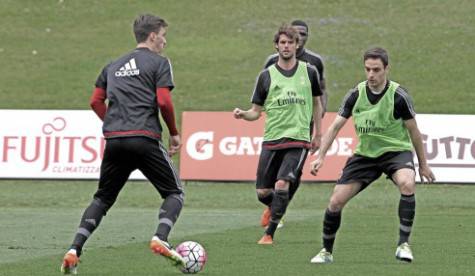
218 47
38 221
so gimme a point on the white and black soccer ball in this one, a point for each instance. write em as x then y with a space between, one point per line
194 255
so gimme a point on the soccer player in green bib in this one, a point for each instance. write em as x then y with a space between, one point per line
310 57
289 93
385 123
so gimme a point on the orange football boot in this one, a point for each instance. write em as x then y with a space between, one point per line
266 240
70 262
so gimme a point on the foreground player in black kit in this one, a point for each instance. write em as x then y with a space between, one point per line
137 87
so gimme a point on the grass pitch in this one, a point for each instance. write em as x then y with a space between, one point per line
37 229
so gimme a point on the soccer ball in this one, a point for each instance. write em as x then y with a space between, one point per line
194 255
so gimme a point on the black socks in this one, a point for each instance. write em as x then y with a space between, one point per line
278 206
168 215
407 211
90 220
331 223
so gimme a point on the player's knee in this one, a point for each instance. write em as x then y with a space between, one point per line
282 185
407 186
104 204
336 204
175 193
261 193
179 197
105 199
265 196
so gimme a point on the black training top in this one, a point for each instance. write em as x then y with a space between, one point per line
131 83
403 106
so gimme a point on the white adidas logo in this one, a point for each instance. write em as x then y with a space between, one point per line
129 69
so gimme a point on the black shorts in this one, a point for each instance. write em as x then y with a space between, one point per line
365 170
124 155
282 164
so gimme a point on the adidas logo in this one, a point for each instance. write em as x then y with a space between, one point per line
129 69
91 221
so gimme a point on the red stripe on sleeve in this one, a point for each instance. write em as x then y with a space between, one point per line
98 102
164 100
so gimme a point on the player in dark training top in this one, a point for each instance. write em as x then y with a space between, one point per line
289 93
137 88
387 131
305 55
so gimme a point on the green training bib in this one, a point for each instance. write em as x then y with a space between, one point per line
378 132
289 105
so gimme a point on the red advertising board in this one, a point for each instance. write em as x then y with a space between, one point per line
218 147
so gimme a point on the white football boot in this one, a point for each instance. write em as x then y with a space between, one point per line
323 257
404 253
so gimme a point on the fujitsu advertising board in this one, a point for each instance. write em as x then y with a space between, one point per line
66 144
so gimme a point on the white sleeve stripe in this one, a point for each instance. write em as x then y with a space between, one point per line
345 99
314 54
171 71
255 85
407 99
269 58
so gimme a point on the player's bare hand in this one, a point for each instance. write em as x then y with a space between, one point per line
174 145
315 143
315 166
238 113
426 173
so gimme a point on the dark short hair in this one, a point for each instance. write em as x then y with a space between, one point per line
377 53
145 24
299 23
287 30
